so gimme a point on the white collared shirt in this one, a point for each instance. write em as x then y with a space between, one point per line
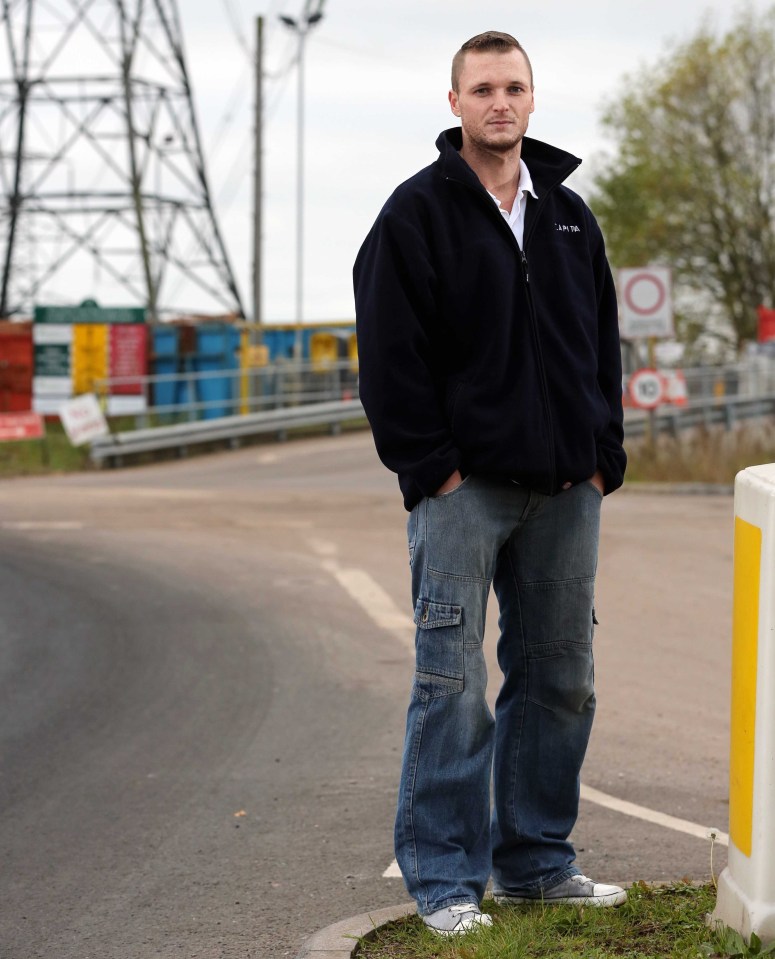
516 219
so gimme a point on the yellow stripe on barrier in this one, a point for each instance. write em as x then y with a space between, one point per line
745 633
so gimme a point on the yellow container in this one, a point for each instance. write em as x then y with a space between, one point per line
323 351
89 356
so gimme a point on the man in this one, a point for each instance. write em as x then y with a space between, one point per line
491 376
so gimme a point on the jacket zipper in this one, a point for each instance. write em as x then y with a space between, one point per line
541 371
532 314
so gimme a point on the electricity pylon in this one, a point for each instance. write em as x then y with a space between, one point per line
104 187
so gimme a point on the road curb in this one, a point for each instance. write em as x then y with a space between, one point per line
339 940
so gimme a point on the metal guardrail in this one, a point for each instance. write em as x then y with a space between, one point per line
724 412
227 405
184 435
717 411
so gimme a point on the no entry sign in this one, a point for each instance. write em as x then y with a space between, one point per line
646 304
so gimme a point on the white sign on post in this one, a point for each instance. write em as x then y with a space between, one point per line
83 419
646 303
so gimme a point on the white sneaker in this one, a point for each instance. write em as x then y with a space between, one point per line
577 890
457 920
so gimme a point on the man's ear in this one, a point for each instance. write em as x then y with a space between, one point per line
453 103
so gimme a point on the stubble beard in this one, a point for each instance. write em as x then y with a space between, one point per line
480 141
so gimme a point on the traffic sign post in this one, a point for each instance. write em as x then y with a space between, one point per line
646 389
645 303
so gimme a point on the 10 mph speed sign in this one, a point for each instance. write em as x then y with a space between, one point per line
646 389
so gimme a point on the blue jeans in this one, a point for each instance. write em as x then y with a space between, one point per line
540 555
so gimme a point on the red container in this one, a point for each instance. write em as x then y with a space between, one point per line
128 356
766 324
16 358
15 402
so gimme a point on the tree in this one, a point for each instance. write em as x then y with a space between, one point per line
692 184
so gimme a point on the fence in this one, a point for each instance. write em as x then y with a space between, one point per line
752 378
182 410
192 395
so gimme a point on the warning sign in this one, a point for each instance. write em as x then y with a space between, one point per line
646 304
83 419
21 426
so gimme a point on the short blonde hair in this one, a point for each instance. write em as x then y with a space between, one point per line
484 43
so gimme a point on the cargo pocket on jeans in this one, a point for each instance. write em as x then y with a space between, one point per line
440 658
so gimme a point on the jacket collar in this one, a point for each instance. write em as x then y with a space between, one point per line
548 165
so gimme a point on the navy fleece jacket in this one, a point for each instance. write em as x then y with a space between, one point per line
475 355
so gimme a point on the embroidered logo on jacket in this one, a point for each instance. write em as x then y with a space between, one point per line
567 228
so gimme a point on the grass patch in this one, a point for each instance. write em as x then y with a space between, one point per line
710 455
53 454
655 923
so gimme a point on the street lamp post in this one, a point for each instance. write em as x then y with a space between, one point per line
301 28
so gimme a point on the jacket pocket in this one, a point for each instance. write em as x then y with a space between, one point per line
440 654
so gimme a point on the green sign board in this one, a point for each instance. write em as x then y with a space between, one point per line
89 312
52 359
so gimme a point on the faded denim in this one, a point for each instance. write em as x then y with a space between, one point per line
540 555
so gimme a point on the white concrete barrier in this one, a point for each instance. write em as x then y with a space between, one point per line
746 888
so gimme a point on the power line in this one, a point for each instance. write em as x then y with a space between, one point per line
234 19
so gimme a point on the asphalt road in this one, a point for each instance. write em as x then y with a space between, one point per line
203 674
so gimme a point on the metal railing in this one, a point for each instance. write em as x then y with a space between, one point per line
754 377
187 409
182 436
207 394
700 413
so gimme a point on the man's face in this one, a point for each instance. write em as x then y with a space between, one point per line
494 99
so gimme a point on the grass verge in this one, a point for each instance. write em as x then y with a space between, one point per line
655 923
710 455
52 454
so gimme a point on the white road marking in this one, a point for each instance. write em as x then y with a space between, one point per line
651 815
41 524
313 447
148 492
374 601
323 547
364 590
392 871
